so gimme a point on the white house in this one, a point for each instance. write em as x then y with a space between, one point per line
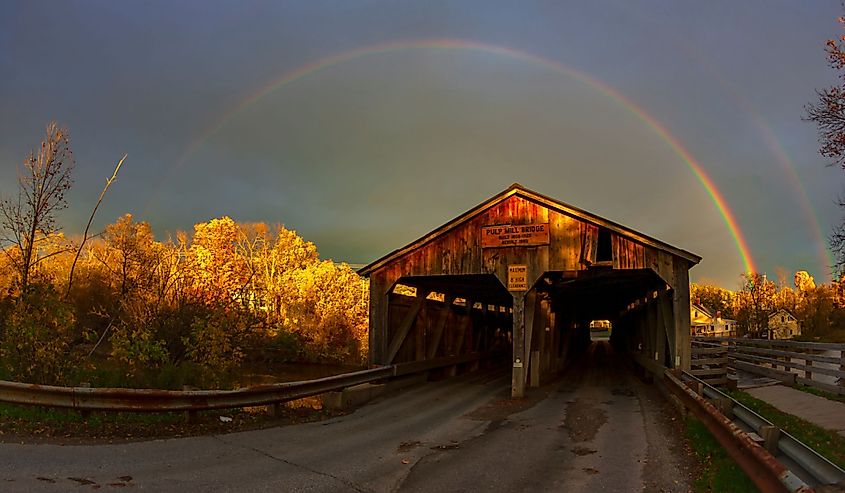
704 322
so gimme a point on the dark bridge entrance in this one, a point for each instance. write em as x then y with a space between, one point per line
531 272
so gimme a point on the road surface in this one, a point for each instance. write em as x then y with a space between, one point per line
596 429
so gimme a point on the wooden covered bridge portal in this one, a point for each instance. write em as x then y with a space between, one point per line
526 271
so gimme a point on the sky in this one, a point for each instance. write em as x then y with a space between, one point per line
363 125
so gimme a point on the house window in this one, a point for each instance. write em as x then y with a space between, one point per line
782 319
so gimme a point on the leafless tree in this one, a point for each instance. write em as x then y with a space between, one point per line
829 116
43 181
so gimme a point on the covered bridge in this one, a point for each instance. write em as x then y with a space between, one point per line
528 272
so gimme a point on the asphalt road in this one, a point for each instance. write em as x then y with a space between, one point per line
596 429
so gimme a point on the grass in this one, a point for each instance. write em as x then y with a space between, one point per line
826 442
821 393
35 420
719 472
36 424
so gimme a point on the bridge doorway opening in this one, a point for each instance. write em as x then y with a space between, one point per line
600 330
630 309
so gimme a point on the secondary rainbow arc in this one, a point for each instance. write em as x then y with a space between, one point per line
825 255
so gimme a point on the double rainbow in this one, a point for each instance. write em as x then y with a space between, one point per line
453 44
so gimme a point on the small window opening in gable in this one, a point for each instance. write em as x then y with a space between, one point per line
604 249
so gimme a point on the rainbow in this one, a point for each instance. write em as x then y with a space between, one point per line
825 256
826 259
453 44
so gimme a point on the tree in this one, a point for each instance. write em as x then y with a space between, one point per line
804 281
829 116
129 255
42 184
754 302
328 305
816 310
714 298
220 273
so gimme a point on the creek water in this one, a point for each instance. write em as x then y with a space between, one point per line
289 372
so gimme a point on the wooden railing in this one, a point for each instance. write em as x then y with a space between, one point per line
819 365
709 361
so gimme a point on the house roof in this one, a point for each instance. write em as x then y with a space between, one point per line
703 309
518 190
782 310
708 313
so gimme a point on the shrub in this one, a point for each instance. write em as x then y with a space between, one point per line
35 342
217 341
136 348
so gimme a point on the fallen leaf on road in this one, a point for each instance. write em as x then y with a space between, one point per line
405 461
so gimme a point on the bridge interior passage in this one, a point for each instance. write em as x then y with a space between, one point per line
526 274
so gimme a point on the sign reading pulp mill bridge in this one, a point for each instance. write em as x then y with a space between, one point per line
519 235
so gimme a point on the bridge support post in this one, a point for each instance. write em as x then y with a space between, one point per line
681 313
519 368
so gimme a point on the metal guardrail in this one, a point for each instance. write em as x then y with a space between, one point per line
766 464
151 400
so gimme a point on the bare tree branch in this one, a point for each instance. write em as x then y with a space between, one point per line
90 220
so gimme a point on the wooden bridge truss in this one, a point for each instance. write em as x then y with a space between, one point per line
530 272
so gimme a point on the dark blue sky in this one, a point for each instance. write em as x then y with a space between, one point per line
369 153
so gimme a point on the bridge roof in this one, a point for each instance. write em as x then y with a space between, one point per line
553 204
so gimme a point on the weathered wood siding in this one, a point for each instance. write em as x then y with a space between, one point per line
572 246
627 254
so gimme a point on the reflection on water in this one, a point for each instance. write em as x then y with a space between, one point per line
288 372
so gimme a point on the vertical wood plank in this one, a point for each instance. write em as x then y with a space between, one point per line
680 308
589 243
530 310
668 323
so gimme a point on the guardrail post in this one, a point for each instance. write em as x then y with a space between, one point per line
770 435
274 409
725 406
808 374
191 415
85 413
